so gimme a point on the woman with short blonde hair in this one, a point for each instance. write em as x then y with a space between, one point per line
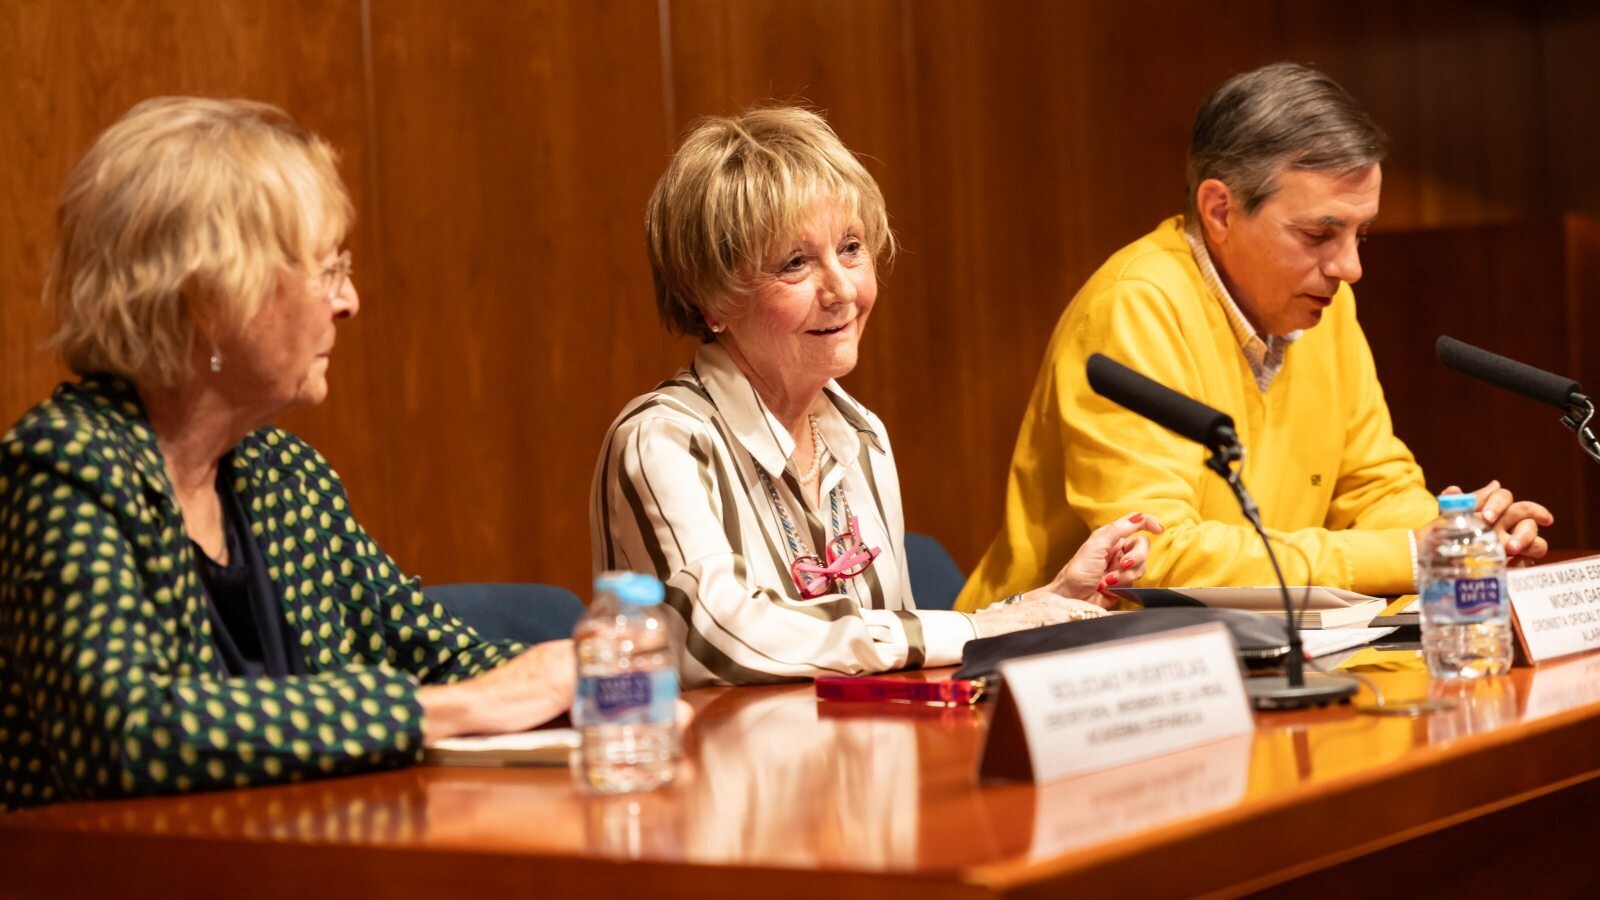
763 495
211 199
186 600
732 185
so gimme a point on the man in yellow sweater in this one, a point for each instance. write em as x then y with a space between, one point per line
1244 303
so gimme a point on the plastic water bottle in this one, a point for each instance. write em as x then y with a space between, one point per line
1466 613
627 696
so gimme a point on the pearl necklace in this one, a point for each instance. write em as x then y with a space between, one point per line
816 453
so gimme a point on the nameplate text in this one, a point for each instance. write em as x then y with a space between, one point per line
1556 608
1097 707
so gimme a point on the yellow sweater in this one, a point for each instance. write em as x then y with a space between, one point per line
1321 456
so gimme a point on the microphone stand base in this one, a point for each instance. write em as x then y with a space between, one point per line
1275 691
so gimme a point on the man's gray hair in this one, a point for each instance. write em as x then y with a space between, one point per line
1279 116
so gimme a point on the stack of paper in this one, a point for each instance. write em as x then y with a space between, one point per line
549 747
1323 643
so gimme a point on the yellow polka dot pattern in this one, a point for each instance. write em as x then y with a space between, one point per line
110 683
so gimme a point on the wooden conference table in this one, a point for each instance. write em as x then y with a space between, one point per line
786 797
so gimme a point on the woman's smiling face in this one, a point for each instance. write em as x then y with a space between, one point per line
801 325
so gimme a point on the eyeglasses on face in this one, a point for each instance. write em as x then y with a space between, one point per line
334 275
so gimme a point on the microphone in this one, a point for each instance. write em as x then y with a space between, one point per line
1520 378
1213 429
1184 416
1208 427
1536 384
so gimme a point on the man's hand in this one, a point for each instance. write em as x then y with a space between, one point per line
1515 522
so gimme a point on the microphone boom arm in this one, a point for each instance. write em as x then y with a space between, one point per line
1580 412
1213 429
1226 452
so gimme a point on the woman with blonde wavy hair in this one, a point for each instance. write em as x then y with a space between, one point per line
186 600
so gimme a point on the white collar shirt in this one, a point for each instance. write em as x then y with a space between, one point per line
681 491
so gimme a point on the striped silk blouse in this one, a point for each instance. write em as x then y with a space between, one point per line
678 493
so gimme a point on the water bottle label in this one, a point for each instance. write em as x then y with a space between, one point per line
628 698
620 693
1475 596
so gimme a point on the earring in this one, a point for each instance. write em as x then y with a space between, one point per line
216 361
718 329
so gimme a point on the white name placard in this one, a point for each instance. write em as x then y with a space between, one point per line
1096 707
1556 608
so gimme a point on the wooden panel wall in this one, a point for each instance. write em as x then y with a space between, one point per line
500 154
1525 290
68 68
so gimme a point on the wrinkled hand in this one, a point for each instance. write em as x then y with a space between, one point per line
1516 522
1035 609
531 689
1113 556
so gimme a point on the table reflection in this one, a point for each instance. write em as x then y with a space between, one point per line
389 809
1478 705
1087 809
777 782
1557 687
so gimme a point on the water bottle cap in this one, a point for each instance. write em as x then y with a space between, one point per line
632 588
1457 503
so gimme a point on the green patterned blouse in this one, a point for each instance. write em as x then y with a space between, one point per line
110 681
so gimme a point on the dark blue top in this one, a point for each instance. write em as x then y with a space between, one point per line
245 612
